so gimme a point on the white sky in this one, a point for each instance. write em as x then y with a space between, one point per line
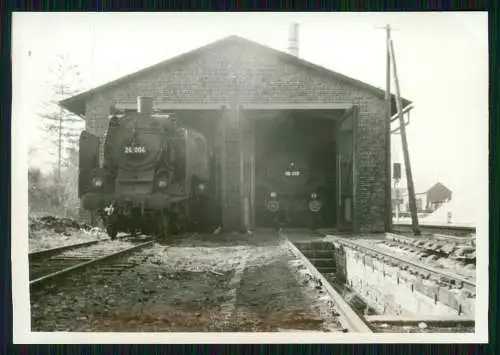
442 60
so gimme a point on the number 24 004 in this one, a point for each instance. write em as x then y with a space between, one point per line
135 150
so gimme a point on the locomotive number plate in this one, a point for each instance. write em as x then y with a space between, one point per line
292 173
135 150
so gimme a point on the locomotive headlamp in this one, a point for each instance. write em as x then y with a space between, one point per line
314 195
273 206
162 183
201 187
97 182
273 194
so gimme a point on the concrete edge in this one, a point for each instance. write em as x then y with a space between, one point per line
347 316
351 243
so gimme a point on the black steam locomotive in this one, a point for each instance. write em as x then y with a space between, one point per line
155 176
291 190
294 171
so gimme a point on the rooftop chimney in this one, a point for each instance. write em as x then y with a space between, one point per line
145 105
293 39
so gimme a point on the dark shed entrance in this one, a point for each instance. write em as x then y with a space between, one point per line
302 155
295 165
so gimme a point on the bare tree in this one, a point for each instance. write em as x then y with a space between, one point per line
62 126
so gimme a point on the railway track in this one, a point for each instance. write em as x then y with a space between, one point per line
165 284
51 266
38 255
454 248
320 259
47 253
445 230
440 276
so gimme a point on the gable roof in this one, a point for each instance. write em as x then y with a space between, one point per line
439 185
76 104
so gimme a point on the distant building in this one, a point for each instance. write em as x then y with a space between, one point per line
426 202
436 196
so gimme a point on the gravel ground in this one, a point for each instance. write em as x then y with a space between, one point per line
274 297
187 288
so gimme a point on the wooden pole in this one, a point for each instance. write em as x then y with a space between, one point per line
409 176
388 102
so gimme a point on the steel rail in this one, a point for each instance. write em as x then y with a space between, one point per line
81 266
348 318
434 239
41 254
434 227
45 253
465 282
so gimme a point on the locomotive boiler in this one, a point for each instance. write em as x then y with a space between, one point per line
154 177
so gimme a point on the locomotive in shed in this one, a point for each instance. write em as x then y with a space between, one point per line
290 190
294 173
154 178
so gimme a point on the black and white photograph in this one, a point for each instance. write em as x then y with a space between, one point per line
250 177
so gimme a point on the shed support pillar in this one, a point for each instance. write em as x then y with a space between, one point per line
231 171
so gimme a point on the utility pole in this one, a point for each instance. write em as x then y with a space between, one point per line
388 114
387 132
409 176
60 137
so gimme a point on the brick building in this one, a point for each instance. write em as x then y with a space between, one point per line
223 87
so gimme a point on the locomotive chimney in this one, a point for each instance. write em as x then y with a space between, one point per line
293 39
145 105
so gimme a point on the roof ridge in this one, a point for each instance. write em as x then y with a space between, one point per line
67 103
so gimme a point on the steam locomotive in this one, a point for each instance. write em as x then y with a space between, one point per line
294 172
155 176
291 190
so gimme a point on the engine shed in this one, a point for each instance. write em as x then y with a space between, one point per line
249 101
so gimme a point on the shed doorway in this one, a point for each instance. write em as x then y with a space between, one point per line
295 171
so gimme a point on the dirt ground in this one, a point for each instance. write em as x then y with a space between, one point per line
198 285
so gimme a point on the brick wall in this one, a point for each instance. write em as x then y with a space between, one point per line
263 77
